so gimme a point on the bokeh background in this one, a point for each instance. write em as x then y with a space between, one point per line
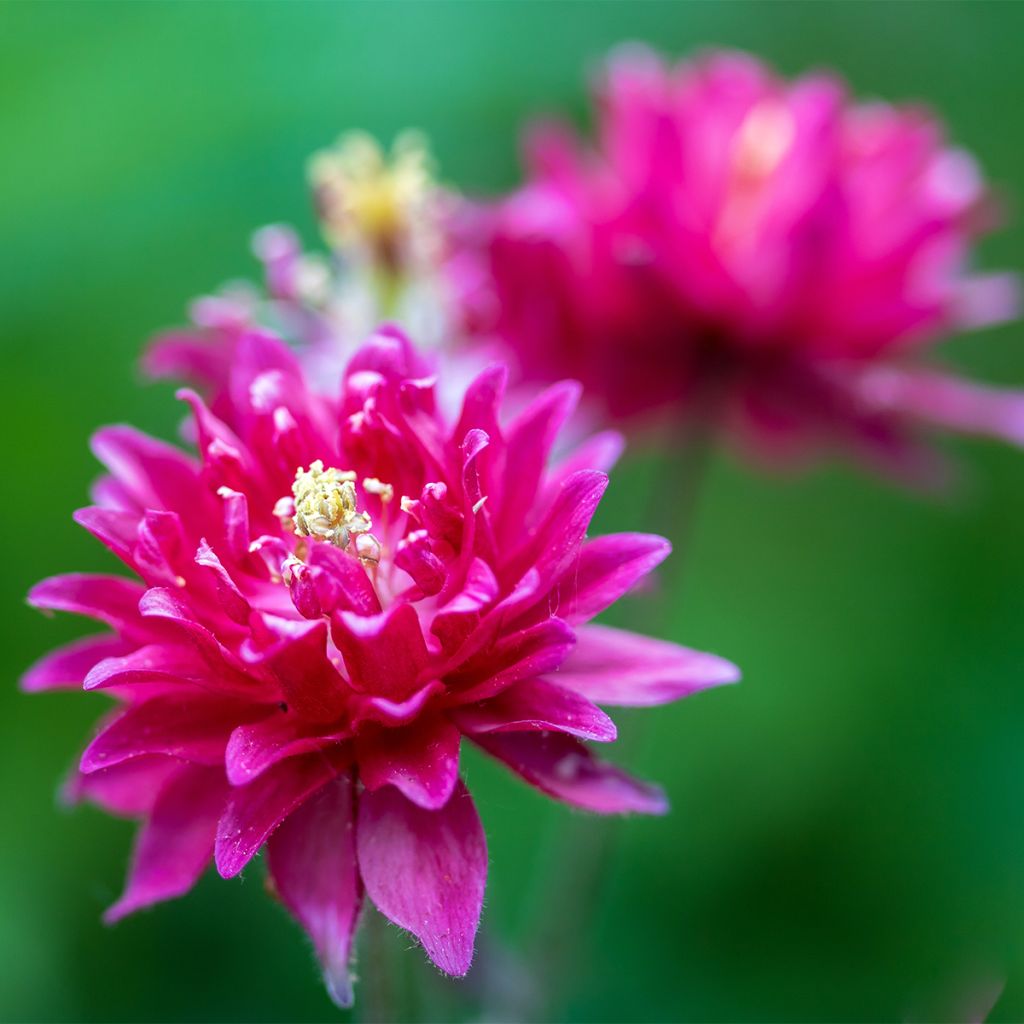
847 840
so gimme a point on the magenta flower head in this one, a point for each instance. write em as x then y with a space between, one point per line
328 600
739 246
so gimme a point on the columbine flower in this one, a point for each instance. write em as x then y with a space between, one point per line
328 600
381 215
756 250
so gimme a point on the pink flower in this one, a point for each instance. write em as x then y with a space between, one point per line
749 249
328 600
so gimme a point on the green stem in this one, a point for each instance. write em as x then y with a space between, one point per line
580 858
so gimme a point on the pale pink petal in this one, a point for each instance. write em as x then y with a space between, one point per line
425 870
614 666
947 401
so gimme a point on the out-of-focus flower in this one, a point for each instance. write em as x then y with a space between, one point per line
754 250
334 595
382 215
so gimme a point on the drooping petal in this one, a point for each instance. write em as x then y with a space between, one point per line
312 862
564 768
116 529
253 811
421 759
176 842
614 666
425 870
536 705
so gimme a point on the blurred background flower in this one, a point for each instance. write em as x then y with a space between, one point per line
846 834
769 256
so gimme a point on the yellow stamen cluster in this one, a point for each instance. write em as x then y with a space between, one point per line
325 506
370 200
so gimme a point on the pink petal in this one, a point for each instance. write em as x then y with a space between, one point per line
529 439
255 747
111 599
158 475
555 543
311 684
128 789
194 729
385 653
68 666
564 768
614 666
421 759
536 705
606 569
255 810
312 862
115 529
426 870
175 844
523 655
947 401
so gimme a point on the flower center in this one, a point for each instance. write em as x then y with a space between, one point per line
326 509
370 200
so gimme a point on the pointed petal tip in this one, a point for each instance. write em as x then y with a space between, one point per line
339 983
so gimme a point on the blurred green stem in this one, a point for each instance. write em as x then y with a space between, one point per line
579 857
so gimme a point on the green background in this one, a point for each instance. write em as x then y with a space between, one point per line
847 835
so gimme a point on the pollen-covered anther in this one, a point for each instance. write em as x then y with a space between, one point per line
386 493
325 506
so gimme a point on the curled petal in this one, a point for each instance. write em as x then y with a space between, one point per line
385 653
606 569
425 870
